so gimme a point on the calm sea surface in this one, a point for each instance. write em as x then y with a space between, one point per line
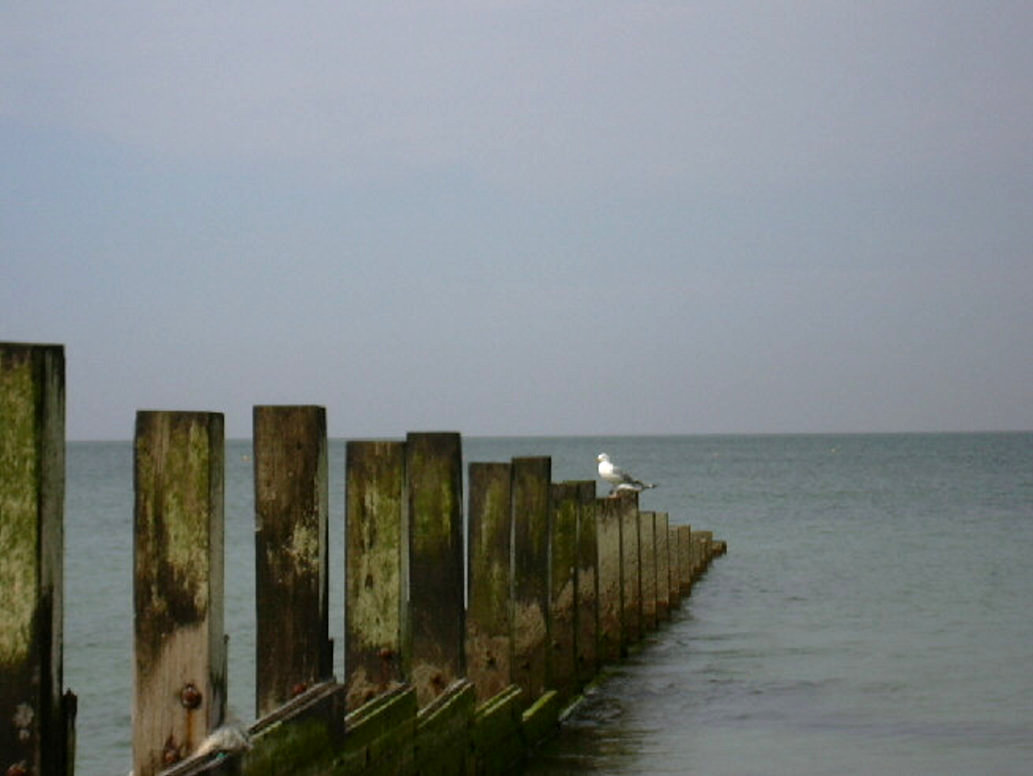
874 614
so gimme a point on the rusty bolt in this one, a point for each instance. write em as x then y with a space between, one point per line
18 769
298 689
190 696
386 653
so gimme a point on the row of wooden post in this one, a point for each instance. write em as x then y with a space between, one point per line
555 582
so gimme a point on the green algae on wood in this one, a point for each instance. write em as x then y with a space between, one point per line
291 569
375 554
179 645
434 476
488 638
33 735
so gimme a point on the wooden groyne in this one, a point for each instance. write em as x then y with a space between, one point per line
464 640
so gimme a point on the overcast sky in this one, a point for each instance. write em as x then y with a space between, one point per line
525 217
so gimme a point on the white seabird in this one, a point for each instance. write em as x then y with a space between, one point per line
617 477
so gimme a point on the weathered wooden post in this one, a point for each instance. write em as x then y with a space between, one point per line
434 471
376 562
530 618
488 637
631 570
34 734
587 606
609 570
293 648
674 558
704 539
685 565
563 588
648 564
180 648
663 567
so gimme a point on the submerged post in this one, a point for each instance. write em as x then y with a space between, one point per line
293 649
563 588
179 646
488 638
530 618
376 555
434 470
32 481
586 608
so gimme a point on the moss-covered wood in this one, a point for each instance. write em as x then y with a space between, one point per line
179 646
434 473
375 551
291 568
488 637
33 735
530 621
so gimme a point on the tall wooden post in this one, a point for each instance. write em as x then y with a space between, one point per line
587 606
647 560
32 482
291 566
674 558
631 570
685 564
530 618
376 563
434 470
563 588
180 650
663 567
610 584
488 637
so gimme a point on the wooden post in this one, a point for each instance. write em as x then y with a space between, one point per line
663 568
631 570
180 649
647 559
32 481
376 556
293 648
610 586
587 606
530 617
674 558
563 588
434 471
685 569
488 638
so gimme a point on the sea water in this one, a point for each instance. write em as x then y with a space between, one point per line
874 613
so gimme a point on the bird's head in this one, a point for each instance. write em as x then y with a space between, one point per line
602 457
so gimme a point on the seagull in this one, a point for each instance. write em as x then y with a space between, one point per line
618 478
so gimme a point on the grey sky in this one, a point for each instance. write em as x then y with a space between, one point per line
515 217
